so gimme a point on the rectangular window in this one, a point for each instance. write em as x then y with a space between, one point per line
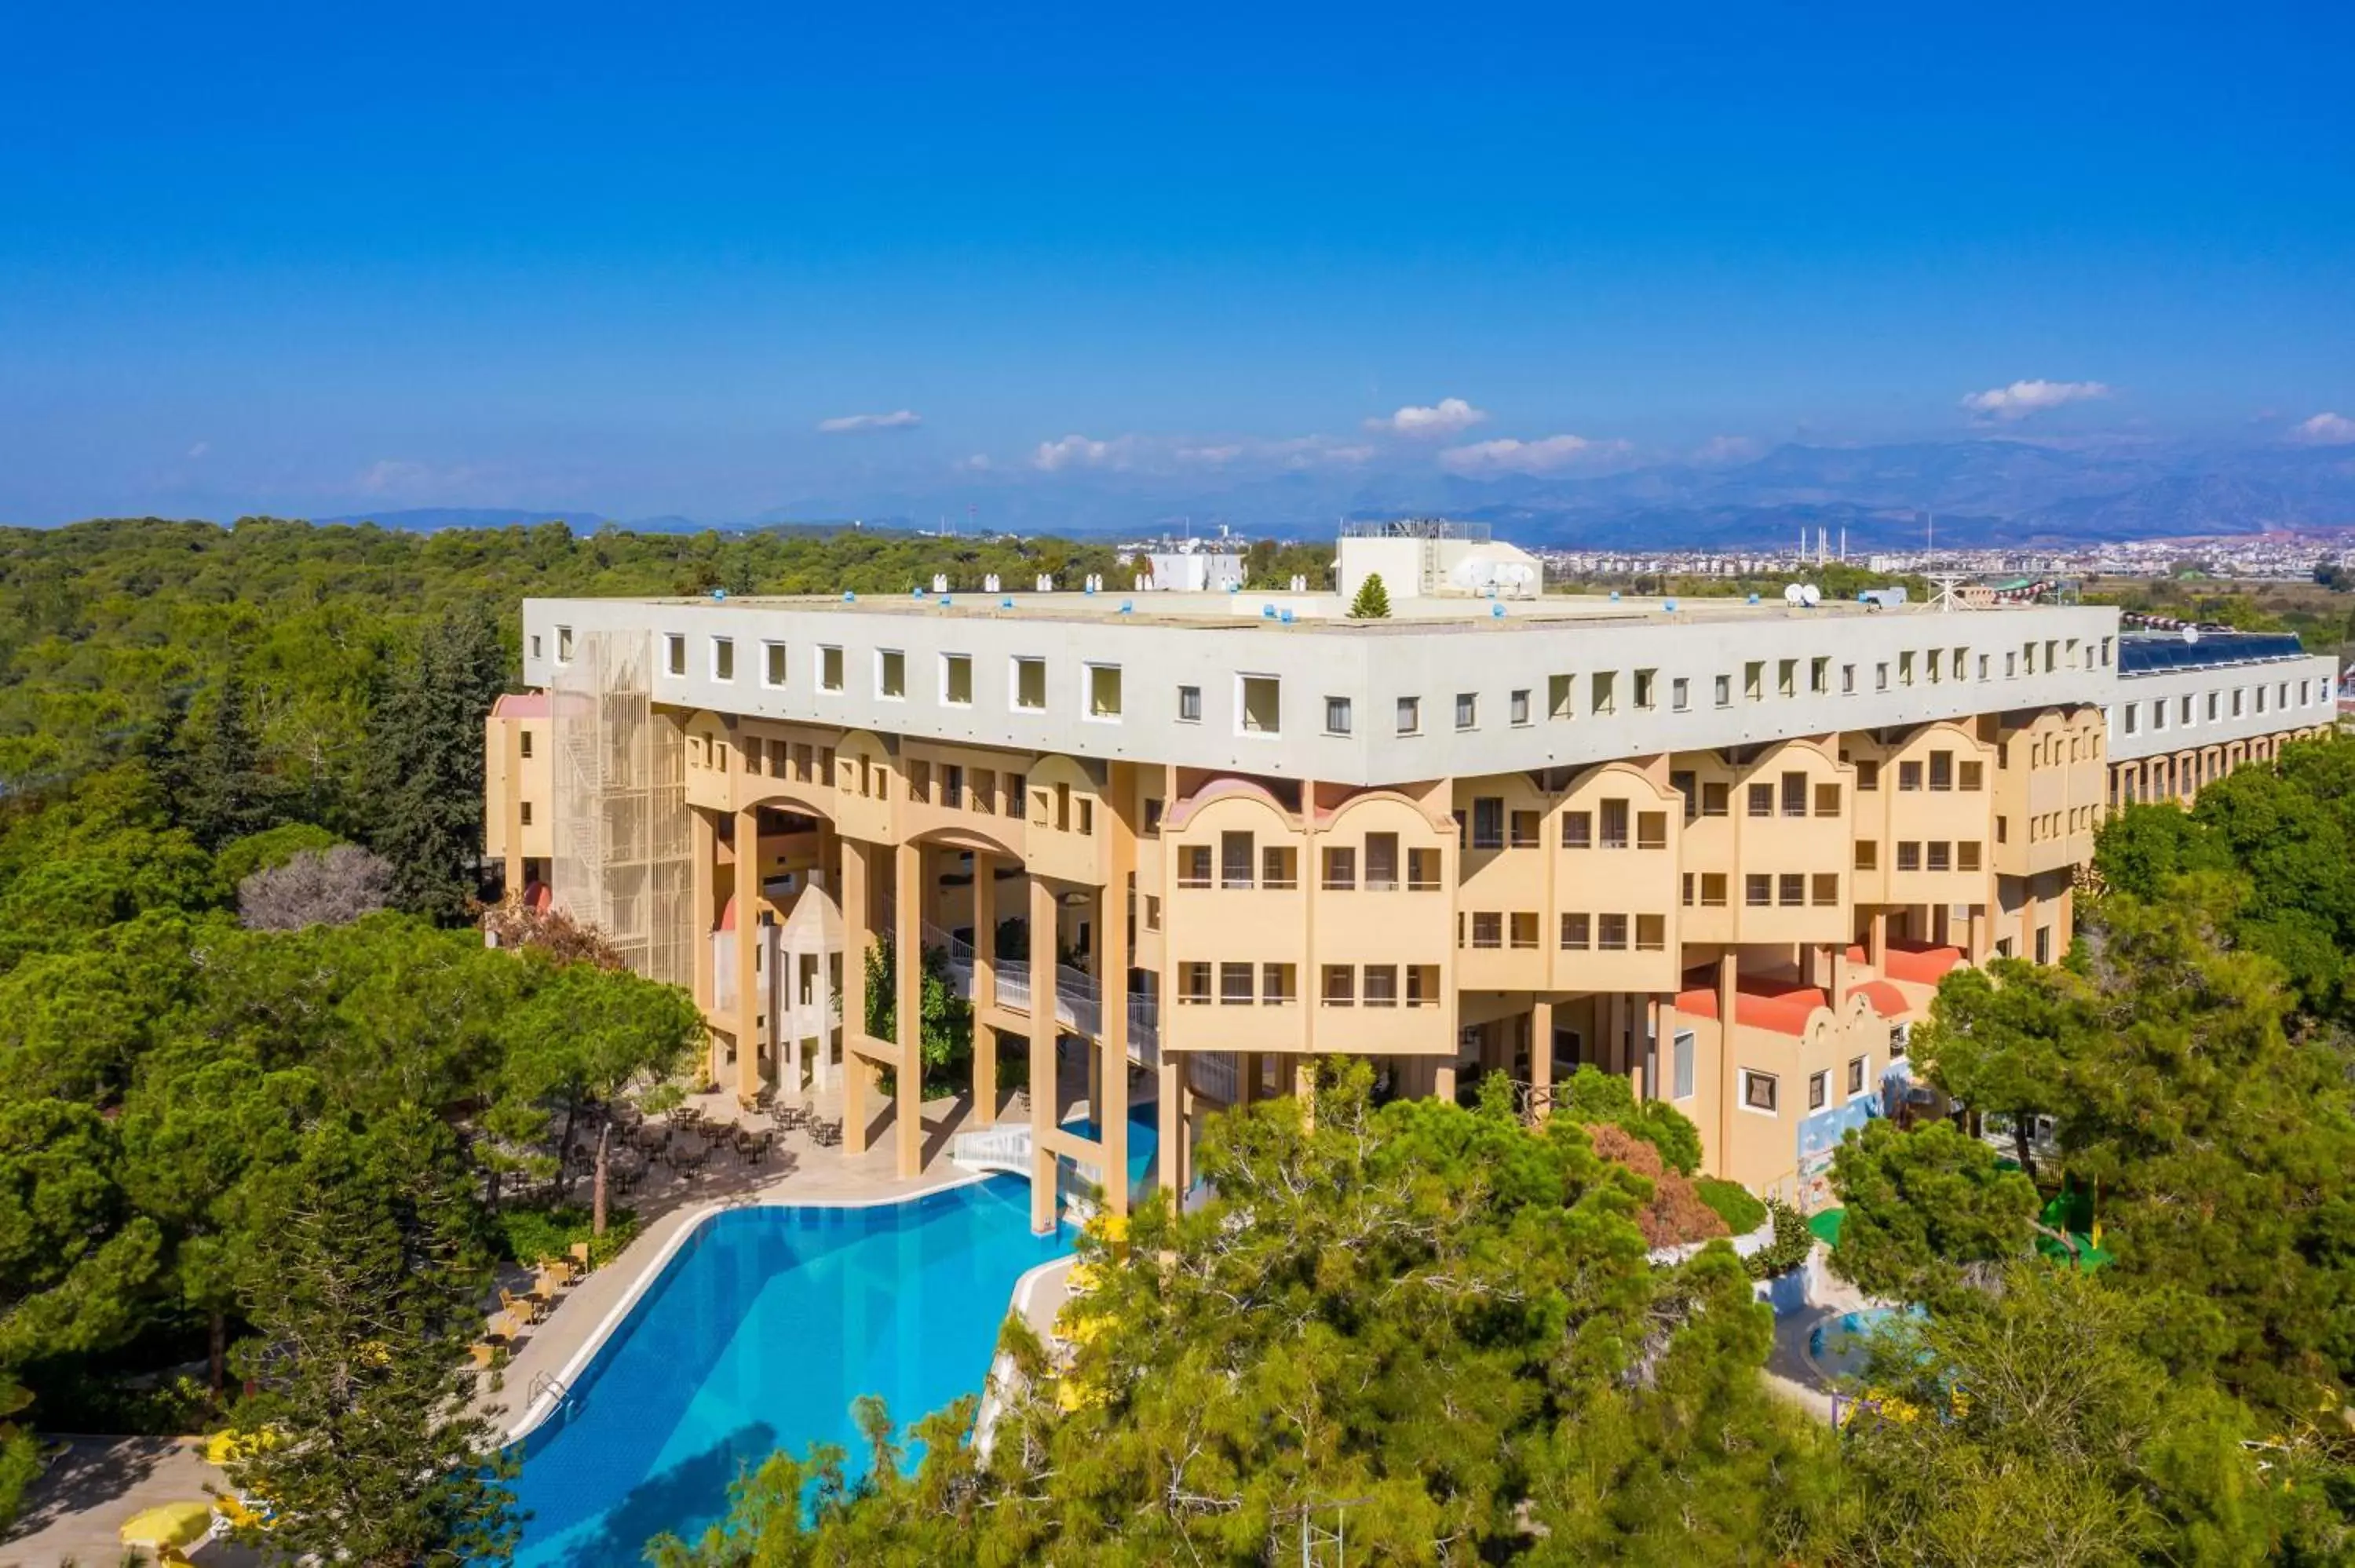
1966 854
1340 988
1758 1091
1819 1090
1868 854
1868 774
1381 863
1381 985
1682 782
1939 855
1909 855
1880 676
1578 829
1794 794
564 645
829 669
1724 691
1410 715
1905 669
1340 872
1758 890
1614 825
535 644
2134 716
1819 677
1680 1054
1519 707
1651 829
1524 829
1337 716
525 809
956 679
723 658
1193 865
1194 984
1423 871
1261 704
1279 867
1103 693
1651 933
1611 932
1189 704
1786 678
523 743
1715 800
1278 985
674 653
1605 700
1152 829
1942 770
1467 709
1679 694
1647 686
1575 933
1847 679
953 786
1753 680
1856 1071
1761 800
773 664
1712 890
1908 776
1561 695
1235 985
891 675
1235 855
1488 823
1792 888
1824 888
1827 799
1524 929
1488 930
1029 685
1971 777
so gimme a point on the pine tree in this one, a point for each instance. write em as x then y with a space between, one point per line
428 756
228 793
1373 600
364 1293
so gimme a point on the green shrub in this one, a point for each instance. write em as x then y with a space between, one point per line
1792 1244
1591 1095
531 1235
1734 1203
240 858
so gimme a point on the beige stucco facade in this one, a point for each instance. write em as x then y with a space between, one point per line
1724 854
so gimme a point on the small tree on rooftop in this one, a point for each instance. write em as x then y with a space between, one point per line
1373 600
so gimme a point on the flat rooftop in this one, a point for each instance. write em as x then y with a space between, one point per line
1324 613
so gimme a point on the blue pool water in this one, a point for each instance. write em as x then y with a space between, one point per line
1839 1345
759 1333
1143 1142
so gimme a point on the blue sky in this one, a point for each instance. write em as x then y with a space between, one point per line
315 258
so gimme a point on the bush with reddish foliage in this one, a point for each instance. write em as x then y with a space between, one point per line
1676 1215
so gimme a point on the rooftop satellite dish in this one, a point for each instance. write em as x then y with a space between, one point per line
1793 594
1811 595
2191 634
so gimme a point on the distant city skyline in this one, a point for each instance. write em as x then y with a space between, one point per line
1093 270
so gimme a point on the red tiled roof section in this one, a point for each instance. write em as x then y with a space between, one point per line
1886 999
1917 963
520 705
1782 1006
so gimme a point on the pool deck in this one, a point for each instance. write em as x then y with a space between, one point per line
76 1512
802 1172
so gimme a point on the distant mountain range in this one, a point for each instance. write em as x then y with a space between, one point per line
1976 492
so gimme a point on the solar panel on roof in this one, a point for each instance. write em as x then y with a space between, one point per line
2158 652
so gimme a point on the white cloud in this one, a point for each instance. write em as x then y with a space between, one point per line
2325 430
200 449
1082 451
1727 448
2022 399
897 419
1448 417
1548 454
977 463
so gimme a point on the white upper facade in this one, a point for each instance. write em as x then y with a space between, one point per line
1568 684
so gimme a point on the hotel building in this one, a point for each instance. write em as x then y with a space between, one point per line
1725 850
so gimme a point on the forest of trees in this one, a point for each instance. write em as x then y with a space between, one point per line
269 1107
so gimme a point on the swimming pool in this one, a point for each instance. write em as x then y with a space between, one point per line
757 1335
1143 1143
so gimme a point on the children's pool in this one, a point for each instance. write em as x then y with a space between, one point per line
757 1335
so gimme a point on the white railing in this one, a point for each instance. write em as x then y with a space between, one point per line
1214 1073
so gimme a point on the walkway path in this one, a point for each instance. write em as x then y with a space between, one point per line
76 1512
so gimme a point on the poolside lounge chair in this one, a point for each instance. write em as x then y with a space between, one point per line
580 1256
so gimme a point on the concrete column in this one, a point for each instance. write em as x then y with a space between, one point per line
1729 973
2027 919
705 849
1836 974
856 1072
1442 1081
1877 944
748 937
1171 1171
1540 1057
1043 1096
821 999
1112 1050
908 1006
1647 1084
984 989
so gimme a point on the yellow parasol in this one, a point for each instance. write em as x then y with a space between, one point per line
168 1525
